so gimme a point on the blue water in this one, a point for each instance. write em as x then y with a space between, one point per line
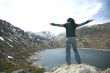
55 57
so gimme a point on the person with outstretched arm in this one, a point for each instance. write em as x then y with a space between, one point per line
70 27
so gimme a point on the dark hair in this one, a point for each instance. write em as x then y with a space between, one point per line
71 20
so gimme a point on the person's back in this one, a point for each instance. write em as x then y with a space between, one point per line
70 27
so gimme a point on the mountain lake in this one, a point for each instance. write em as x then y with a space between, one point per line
55 57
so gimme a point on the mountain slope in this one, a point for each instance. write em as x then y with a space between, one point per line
96 36
16 46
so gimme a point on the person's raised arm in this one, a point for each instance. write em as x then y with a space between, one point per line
60 25
90 20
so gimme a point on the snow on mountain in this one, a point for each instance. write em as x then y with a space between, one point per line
2 39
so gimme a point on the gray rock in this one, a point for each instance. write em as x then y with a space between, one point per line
76 68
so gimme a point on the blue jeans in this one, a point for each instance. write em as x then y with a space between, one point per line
71 41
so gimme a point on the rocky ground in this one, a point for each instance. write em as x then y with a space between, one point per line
77 68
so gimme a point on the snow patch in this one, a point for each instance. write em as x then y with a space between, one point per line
10 57
2 39
9 44
10 40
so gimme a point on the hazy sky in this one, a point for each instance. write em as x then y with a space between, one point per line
35 15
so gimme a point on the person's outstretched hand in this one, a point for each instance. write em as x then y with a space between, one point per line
51 23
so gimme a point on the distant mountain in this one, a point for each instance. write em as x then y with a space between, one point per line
60 39
18 45
43 40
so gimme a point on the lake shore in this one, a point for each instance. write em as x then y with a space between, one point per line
36 56
55 57
96 49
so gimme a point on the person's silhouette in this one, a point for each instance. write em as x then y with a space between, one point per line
71 38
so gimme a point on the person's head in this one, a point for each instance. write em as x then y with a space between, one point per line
70 20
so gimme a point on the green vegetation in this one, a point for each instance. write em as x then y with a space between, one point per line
10 65
36 70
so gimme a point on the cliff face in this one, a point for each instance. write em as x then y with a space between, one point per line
96 36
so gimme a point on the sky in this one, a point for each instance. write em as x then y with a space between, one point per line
35 15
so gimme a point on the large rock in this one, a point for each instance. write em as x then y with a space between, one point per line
77 68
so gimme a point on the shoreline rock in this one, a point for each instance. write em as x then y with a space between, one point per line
77 68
